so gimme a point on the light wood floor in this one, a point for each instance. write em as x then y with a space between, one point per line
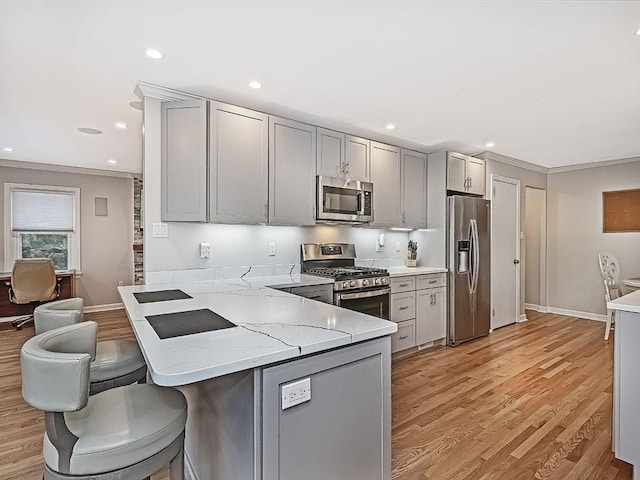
531 401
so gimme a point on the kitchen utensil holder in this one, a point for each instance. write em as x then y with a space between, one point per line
411 262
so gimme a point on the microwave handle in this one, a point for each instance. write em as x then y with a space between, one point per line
360 204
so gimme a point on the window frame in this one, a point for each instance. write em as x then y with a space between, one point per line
13 242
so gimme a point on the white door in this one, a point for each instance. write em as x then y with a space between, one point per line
505 251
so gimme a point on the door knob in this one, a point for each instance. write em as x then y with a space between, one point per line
516 261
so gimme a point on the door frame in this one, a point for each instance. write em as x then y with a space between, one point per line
519 317
542 286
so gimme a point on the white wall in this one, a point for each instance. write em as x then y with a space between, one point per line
107 253
238 245
574 223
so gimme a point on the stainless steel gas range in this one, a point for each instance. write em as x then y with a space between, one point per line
361 289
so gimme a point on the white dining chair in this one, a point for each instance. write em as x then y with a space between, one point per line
610 269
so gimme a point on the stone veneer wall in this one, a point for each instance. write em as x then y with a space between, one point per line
138 232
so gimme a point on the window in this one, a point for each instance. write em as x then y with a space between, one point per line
42 221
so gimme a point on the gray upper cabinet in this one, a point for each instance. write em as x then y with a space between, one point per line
341 155
386 179
184 161
331 153
292 165
414 189
358 158
238 160
476 171
465 174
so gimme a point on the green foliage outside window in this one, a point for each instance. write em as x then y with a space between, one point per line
47 245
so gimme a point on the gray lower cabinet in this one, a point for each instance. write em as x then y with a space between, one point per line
431 314
419 306
292 164
238 164
385 176
237 428
343 431
414 189
184 161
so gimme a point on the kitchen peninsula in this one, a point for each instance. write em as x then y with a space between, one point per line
626 380
293 388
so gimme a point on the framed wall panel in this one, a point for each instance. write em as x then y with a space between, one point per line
621 211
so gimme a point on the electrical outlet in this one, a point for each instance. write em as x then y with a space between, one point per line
272 249
205 250
378 247
296 393
397 246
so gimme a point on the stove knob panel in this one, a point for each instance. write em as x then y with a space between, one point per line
365 283
352 283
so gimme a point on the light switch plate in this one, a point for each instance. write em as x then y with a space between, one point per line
160 230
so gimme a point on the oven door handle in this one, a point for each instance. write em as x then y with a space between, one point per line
368 294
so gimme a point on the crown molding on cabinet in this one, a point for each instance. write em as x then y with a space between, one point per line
605 163
146 89
498 157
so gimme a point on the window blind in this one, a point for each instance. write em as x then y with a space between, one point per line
37 211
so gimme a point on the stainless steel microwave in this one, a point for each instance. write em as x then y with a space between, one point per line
343 200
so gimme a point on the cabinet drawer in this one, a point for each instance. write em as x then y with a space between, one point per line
319 293
403 306
405 337
403 284
431 281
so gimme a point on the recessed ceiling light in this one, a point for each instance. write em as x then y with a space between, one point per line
489 144
136 105
112 161
121 125
8 149
255 84
390 126
153 53
90 131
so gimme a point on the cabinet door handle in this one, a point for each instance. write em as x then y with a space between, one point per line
403 308
314 296
403 337
403 285
433 281
433 299
470 182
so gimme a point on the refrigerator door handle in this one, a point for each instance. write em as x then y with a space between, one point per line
475 254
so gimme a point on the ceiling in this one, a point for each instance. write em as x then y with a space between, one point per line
552 83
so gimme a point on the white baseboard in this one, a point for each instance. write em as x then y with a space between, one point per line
523 318
536 308
103 308
574 313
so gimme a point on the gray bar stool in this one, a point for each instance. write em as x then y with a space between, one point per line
125 433
116 362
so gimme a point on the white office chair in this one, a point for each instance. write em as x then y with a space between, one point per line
610 269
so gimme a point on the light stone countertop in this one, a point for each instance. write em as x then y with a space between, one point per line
271 326
404 271
626 303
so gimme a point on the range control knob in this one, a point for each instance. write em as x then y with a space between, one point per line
384 280
352 283
377 282
345 284
365 283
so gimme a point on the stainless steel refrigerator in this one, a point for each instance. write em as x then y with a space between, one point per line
469 264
